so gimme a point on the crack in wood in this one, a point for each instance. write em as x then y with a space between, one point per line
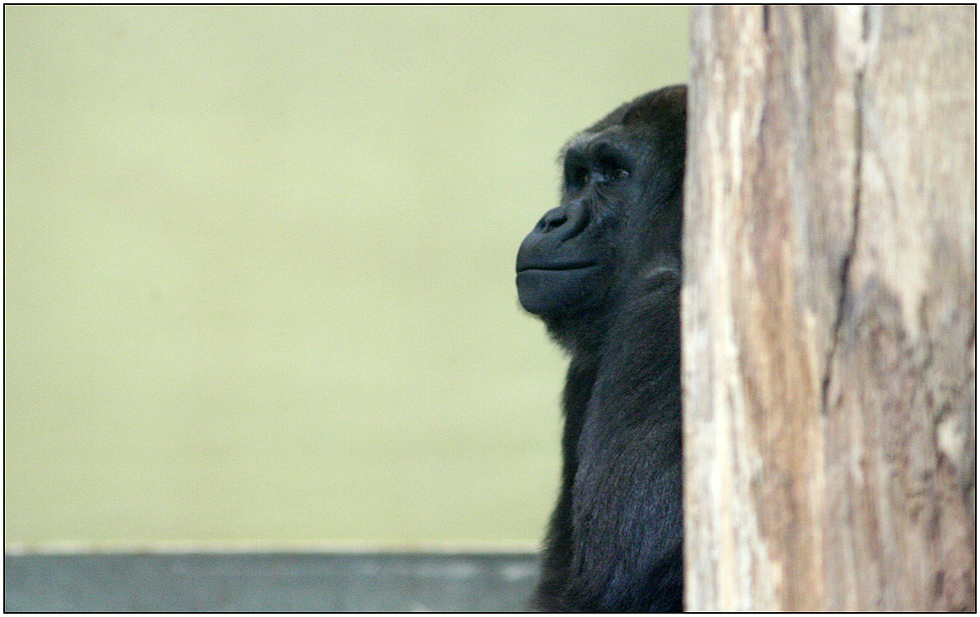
843 296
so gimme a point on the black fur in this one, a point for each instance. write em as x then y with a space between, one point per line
603 272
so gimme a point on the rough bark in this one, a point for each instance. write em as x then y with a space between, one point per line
829 309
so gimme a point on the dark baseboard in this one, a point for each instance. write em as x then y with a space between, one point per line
268 581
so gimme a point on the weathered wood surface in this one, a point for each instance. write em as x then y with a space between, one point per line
829 309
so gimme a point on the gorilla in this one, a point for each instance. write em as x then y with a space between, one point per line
603 271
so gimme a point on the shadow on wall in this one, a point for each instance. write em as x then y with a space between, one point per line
268 582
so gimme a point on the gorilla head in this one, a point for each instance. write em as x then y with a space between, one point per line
619 218
602 270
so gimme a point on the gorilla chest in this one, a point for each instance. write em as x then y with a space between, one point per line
612 470
627 486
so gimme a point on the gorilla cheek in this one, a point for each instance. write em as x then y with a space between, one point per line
554 292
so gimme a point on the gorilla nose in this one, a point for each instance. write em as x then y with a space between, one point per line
564 221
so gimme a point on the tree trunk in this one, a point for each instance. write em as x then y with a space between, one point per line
829 309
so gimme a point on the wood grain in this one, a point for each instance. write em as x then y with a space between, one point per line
829 309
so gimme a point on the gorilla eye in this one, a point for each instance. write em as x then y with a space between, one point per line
577 177
611 174
612 168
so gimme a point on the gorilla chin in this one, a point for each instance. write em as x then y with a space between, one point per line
555 290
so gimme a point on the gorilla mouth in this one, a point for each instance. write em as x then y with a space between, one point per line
558 267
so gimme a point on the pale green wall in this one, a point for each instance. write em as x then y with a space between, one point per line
259 264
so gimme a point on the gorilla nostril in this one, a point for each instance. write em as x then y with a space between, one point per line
570 218
549 225
551 221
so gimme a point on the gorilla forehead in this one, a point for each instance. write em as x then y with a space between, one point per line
611 140
587 137
650 122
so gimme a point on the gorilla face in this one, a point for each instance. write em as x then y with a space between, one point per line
619 212
566 261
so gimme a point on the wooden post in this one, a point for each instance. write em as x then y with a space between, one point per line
829 309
